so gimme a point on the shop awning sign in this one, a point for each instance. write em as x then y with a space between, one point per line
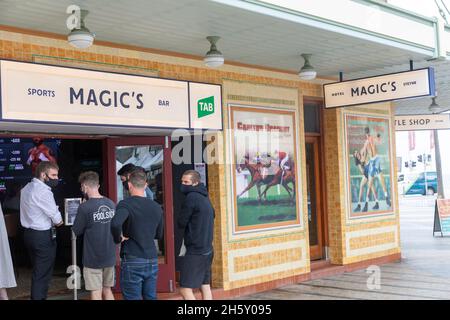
395 86
422 122
60 95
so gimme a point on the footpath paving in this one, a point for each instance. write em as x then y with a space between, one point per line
423 273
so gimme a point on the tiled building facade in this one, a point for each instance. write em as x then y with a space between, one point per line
263 259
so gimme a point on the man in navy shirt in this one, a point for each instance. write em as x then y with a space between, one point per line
137 222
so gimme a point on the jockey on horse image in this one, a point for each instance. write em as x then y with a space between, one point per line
258 167
282 160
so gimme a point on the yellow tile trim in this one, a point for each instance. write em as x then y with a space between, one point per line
372 240
266 259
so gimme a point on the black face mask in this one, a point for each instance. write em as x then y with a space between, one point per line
125 185
185 188
37 143
52 183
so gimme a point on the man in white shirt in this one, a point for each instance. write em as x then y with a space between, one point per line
39 215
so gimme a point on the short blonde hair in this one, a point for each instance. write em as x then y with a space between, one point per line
89 178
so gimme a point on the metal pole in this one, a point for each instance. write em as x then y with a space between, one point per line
425 173
437 152
74 265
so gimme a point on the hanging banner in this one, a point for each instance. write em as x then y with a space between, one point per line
61 95
422 122
395 86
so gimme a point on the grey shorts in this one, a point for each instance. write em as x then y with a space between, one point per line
97 279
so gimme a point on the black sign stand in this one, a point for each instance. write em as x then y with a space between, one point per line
437 221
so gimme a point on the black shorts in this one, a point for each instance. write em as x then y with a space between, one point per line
195 270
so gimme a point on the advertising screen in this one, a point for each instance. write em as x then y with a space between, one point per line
19 158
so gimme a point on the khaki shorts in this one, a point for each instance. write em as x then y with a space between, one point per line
97 279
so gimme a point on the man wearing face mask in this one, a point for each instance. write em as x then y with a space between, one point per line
93 220
124 174
197 221
39 215
136 223
40 152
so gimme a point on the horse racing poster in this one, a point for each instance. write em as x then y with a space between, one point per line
265 164
369 165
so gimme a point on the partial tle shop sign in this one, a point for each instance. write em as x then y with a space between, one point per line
61 95
422 122
394 86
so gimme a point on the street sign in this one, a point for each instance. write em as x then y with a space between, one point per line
422 122
442 217
388 87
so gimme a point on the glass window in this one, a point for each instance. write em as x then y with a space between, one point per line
312 116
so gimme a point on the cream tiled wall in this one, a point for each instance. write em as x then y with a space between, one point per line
242 260
364 238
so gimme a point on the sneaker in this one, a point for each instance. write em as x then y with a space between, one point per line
358 208
376 206
366 207
388 201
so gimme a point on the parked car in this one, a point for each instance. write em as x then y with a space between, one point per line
418 186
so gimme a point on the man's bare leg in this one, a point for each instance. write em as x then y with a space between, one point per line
187 293
361 191
383 185
3 294
96 295
206 292
369 188
107 294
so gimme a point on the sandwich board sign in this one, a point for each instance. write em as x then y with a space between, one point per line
442 217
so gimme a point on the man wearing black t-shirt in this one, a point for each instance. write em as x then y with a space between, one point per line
137 222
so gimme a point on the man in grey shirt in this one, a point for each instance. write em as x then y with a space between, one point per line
93 220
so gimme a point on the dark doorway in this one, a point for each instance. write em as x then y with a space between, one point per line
197 146
73 156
